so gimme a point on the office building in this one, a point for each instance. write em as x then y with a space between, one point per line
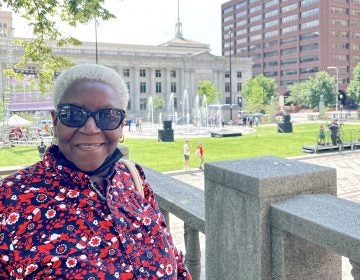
291 40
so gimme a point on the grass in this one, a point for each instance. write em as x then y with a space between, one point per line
167 156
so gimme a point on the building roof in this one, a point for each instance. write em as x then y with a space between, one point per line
183 42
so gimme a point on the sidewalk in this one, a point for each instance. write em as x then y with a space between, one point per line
347 165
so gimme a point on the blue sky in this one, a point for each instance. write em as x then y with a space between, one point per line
151 22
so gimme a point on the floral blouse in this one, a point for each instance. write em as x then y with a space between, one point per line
54 224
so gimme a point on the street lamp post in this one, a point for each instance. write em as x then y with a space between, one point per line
337 87
96 42
230 84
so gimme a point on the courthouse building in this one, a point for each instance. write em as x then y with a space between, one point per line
168 70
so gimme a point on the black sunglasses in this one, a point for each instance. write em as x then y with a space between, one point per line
75 116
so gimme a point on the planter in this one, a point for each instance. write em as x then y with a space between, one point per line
285 128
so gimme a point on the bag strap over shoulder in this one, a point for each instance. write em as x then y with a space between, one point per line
134 174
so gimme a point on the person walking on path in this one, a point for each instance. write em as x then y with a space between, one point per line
186 155
334 128
200 153
321 135
41 148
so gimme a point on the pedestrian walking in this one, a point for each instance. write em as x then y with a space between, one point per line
200 154
186 155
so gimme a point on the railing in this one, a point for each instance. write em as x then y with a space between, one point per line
331 223
266 218
259 226
188 204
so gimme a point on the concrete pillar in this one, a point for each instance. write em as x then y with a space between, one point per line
193 251
237 198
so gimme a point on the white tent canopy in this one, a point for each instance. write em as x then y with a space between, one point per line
16 120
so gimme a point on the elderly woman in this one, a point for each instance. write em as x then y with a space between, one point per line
76 213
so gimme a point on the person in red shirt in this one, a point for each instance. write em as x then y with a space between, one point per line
200 154
76 214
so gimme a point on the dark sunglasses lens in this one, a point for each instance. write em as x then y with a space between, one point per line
109 119
72 116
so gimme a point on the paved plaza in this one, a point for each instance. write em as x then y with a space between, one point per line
347 165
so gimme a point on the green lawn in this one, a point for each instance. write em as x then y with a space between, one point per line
167 156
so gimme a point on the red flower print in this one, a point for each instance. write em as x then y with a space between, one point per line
147 221
13 218
30 268
50 213
169 269
71 262
95 241
73 193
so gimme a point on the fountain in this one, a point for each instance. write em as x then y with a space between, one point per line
201 109
171 107
160 119
185 108
151 111
205 111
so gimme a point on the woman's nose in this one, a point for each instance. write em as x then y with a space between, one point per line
90 126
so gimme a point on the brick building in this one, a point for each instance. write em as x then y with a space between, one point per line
290 40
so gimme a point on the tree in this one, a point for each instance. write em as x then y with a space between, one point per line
208 89
43 16
353 88
158 102
259 92
308 93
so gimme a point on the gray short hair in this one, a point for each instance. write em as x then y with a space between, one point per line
90 72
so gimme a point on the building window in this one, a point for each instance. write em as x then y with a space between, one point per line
308 2
173 73
289 29
314 34
309 47
175 103
255 18
227 100
289 8
227 87
270 44
239 74
309 58
143 102
288 51
312 12
173 87
289 18
126 72
289 61
227 74
128 86
142 73
288 40
142 87
309 24
158 87
129 105
309 70
288 72
238 87
157 73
